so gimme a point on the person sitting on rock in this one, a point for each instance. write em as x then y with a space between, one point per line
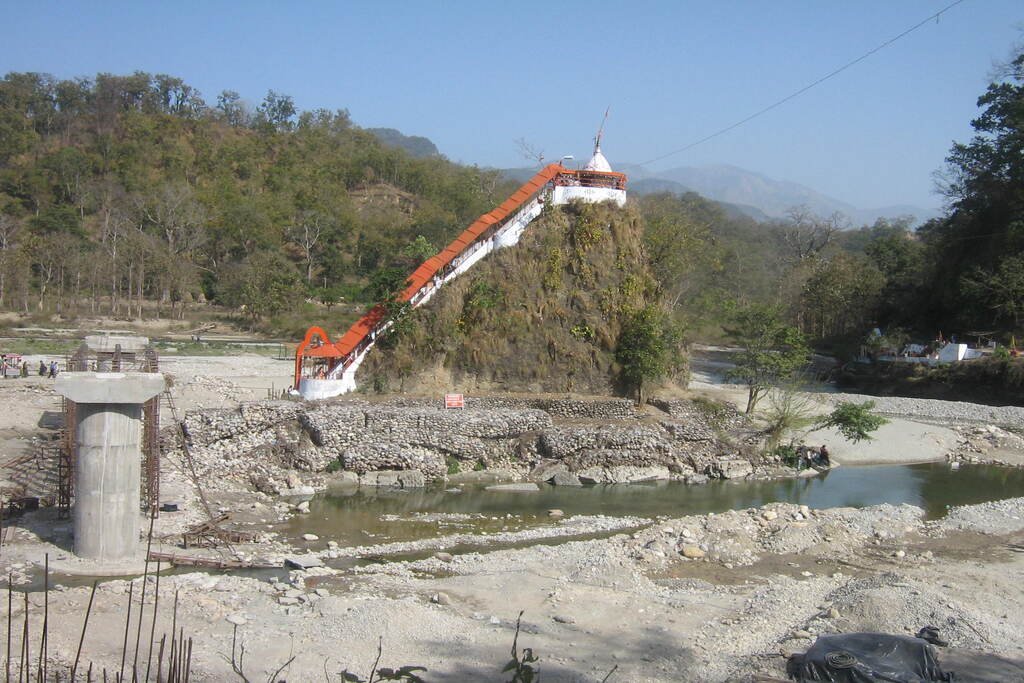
823 458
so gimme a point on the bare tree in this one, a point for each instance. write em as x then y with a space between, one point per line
9 229
305 233
805 234
178 217
179 220
529 151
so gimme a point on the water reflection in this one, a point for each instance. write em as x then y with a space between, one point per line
369 516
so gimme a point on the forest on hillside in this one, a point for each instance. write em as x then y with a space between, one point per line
132 196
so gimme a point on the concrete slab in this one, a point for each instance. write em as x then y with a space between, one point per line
309 561
108 343
110 387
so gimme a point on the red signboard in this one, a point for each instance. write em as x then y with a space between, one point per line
454 401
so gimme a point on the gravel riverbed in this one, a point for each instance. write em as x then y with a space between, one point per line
933 410
715 597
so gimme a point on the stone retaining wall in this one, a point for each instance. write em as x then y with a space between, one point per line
261 442
570 408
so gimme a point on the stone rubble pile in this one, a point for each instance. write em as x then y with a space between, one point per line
713 414
988 444
742 537
262 444
206 427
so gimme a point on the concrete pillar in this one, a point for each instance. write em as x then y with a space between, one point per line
108 431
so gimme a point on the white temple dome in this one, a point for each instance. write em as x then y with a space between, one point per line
598 162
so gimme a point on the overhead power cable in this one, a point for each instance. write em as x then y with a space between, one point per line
804 89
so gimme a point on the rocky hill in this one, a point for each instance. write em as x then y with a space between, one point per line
542 316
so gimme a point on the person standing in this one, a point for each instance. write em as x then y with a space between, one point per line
53 369
42 368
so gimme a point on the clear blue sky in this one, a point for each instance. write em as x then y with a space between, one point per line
476 76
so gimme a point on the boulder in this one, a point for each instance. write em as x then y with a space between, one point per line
593 475
401 479
565 479
525 487
732 468
342 479
692 552
546 469
626 474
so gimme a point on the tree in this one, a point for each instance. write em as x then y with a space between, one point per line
9 229
277 111
647 349
984 183
855 421
806 234
679 243
1002 291
231 109
265 284
791 413
839 296
306 232
772 351
386 284
900 257
419 250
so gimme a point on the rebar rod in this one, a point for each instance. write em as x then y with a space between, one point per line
142 602
45 644
24 646
127 623
160 659
188 662
152 627
81 638
10 609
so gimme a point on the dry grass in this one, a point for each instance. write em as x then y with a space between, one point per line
562 296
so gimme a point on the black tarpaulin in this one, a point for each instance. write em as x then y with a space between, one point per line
867 658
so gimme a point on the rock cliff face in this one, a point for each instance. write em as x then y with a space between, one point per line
542 316
598 441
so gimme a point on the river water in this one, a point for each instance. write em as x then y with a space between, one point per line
368 517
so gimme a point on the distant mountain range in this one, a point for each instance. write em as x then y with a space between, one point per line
739 191
758 195
743 192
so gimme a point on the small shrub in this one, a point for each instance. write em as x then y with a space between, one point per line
583 332
479 466
334 466
453 464
786 453
553 270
